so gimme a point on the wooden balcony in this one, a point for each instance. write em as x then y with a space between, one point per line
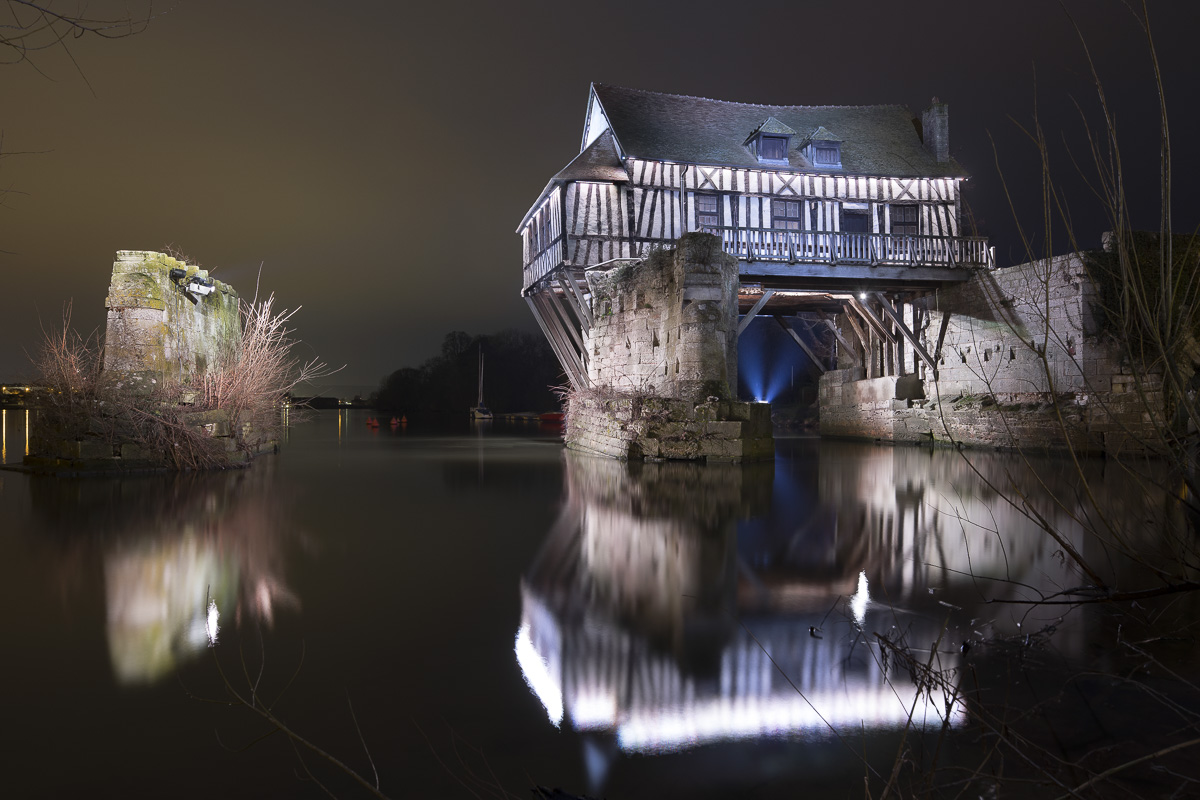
860 249
801 258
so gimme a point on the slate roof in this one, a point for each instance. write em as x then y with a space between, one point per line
600 161
822 135
876 140
772 126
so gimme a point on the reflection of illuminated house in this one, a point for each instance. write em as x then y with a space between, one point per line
780 680
649 616
628 627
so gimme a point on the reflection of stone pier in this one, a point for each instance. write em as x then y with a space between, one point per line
183 556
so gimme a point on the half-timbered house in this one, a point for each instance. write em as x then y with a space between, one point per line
828 209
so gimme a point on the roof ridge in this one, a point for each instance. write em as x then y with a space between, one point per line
746 105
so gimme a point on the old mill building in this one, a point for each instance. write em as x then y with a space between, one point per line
820 205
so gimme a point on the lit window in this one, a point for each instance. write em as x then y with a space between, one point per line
708 211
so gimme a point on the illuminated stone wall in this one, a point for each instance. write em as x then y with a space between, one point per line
993 389
155 331
667 326
662 356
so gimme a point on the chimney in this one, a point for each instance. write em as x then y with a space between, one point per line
935 130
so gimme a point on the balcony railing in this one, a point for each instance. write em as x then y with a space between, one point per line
862 249
810 247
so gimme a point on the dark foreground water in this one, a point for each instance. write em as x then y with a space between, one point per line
482 612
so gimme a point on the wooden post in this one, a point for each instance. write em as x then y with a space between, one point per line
937 351
553 317
571 366
567 355
871 318
862 336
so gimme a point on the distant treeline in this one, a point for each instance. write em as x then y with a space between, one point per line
518 375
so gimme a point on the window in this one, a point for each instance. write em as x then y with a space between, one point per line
905 220
785 214
708 210
856 220
773 148
539 231
827 154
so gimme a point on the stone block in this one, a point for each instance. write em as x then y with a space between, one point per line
723 430
134 452
65 448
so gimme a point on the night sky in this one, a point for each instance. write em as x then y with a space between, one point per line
376 157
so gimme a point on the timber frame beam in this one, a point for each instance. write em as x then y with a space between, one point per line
872 319
917 347
753 312
579 305
849 349
558 334
817 362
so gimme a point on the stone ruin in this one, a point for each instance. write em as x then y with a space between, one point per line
662 361
167 320
168 323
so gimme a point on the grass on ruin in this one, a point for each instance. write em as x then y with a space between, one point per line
170 423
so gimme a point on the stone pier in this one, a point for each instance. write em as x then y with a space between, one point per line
1025 363
662 358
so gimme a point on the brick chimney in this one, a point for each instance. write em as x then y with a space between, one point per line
935 130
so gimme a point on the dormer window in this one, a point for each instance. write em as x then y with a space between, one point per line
827 154
769 142
773 148
823 149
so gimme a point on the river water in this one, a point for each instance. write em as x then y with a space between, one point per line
475 612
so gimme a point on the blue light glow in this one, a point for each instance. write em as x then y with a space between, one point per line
768 362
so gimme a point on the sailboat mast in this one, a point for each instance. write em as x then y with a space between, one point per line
480 402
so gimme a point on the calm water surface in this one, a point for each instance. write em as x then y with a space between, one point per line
493 613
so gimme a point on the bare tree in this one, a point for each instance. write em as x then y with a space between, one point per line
31 27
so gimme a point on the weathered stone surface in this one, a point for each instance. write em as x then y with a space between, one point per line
664 358
155 330
658 429
215 421
992 388
667 327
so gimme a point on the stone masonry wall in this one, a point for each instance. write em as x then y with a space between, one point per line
992 388
658 428
662 358
155 335
154 330
664 327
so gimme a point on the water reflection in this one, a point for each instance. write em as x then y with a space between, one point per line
677 604
647 616
182 555
14 434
